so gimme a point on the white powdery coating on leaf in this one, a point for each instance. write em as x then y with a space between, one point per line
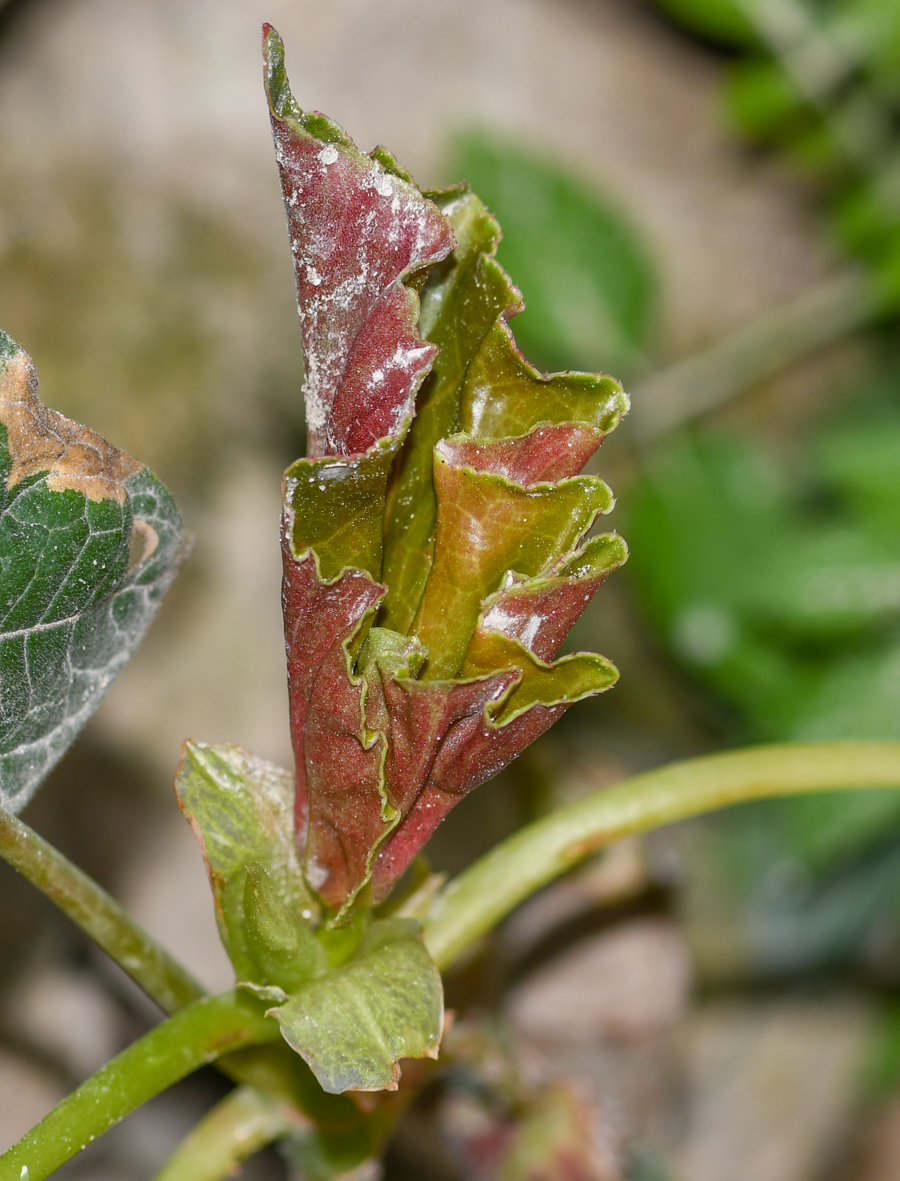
356 234
94 646
496 619
316 874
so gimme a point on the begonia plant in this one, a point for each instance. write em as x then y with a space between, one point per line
437 546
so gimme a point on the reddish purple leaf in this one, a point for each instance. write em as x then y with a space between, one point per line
552 451
357 231
390 730
338 802
539 612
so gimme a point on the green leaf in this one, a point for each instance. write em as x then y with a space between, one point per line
461 301
241 810
588 285
488 525
765 102
335 507
861 464
353 1025
723 20
285 951
567 680
89 543
504 395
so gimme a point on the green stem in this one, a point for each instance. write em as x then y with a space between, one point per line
480 897
195 1036
753 353
275 1069
97 914
244 1122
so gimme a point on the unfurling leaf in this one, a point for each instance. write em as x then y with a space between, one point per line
436 553
89 542
434 540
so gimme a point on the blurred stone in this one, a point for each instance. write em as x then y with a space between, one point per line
603 1017
771 1088
66 1014
878 1154
27 1093
623 985
169 894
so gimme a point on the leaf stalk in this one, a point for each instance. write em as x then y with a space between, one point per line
482 895
243 1123
193 1037
97 914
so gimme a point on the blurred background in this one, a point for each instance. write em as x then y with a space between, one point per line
699 196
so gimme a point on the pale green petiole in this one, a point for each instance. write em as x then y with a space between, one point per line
244 1122
480 897
97 914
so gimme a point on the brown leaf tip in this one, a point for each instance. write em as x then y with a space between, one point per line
43 440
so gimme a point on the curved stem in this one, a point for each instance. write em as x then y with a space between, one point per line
97 914
240 1125
275 1069
482 895
195 1036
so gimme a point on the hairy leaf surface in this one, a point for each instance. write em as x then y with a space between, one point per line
358 230
89 542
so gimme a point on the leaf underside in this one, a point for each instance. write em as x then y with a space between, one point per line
434 541
89 542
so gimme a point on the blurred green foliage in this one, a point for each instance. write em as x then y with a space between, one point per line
776 585
819 82
772 582
583 270
719 20
779 584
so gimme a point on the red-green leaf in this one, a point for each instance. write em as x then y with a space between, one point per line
488 526
433 569
461 301
357 231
